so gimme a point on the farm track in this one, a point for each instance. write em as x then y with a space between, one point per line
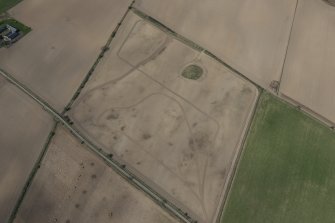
117 166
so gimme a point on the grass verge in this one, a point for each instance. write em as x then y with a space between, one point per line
287 171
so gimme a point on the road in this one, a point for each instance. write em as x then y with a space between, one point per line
120 168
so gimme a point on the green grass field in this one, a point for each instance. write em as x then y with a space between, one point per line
287 171
7 4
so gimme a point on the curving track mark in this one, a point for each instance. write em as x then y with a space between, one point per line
200 169
136 67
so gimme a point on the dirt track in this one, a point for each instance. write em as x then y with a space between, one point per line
179 134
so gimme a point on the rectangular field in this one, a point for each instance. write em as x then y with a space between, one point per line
309 69
178 129
66 38
287 171
74 186
251 36
24 127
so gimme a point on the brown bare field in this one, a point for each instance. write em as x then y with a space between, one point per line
251 36
24 128
66 38
73 186
309 69
180 135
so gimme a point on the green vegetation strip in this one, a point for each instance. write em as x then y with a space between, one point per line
16 24
32 175
97 61
287 171
7 4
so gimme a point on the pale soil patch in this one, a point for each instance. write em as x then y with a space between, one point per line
251 36
24 128
181 135
66 38
309 70
74 186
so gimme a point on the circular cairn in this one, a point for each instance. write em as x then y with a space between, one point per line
193 72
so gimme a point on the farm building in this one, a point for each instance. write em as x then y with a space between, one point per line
8 34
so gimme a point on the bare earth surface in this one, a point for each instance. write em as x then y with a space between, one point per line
309 76
251 36
73 186
24 130
66 39
181 135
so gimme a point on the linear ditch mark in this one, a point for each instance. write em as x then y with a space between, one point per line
261 89
117 166
190 43
114 164
179 37
287 47
32 175
104 49
197 47
164 203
